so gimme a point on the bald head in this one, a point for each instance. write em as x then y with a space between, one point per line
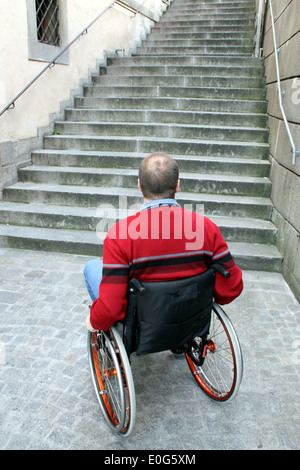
158 176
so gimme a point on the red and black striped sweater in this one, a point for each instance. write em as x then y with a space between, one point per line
163 243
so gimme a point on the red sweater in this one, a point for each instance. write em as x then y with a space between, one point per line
160 244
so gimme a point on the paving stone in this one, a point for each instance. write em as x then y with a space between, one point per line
8 297
47 400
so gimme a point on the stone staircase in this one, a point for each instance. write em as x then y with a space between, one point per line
192 90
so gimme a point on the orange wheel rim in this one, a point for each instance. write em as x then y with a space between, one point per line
100 381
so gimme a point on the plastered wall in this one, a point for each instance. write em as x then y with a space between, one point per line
22 58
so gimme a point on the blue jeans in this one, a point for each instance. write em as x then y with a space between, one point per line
92 275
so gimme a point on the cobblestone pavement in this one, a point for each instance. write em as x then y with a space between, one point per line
47 397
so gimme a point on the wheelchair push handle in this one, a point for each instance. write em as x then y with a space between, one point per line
220 269
136 286
135 283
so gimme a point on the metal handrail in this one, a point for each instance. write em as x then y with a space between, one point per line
140 7
11 105
166 2
294 151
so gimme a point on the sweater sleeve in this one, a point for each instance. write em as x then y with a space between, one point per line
226 290
111 304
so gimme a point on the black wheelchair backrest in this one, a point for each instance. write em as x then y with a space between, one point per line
165 315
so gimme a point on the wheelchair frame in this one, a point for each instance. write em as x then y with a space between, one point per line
214 359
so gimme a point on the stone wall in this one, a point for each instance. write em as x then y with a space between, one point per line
285 175
22 57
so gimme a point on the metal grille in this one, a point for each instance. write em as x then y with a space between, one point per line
47 21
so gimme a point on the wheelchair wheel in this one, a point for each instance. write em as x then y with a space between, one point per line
216 361
112 379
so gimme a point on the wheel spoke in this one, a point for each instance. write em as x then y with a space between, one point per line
112 380
220 373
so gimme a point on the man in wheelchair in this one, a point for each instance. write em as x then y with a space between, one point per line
162 270
161 242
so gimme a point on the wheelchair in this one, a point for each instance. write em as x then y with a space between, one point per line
180 316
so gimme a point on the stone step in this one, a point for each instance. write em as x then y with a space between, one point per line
93 196
77 218
176 117
148 144
199 42
188 5
209 3
204 34
207 17
192 50
175 92
81 242
127 178
243 230
179 81
50 216
217 70
198 13
168 30
198 46
207 9
250 256
219 6
243 30
191 4
196 164
182 104
206 20
238 44
169 131
181 62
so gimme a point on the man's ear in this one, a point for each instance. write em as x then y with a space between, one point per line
177 186
139 186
